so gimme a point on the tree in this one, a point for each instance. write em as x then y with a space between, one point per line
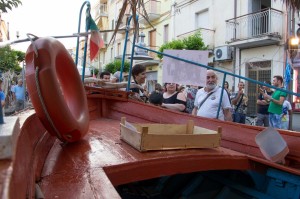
295 4
10 59
192 42
9 4
115 66
174 45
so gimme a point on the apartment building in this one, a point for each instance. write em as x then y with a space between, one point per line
159 13
245 37
4 33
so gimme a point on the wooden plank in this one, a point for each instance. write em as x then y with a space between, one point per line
165 128
164 142
168 136
131 137
190 127
200 130
144 131
123 119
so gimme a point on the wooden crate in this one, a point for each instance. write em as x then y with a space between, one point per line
145 137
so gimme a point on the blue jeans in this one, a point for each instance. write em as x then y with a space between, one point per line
239 117
1 115
262 120
275 120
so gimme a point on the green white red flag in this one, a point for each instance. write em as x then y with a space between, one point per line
96 41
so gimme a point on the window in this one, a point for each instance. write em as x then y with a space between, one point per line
202 19
111 54
112 24
166 33
104 36
119 49
103 59
128 48
260 71
152 42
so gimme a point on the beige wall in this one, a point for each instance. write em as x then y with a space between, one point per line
3 30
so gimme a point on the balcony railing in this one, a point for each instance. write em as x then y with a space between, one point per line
152 8
258 24
207 36
124 23
101 10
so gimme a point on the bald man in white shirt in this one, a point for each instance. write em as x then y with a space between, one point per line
208 98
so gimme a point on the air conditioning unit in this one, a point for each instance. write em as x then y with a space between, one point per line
223 53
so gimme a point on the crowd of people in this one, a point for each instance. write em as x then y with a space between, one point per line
15 97
273 109
211 101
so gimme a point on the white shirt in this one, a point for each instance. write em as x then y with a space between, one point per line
210 107
289 107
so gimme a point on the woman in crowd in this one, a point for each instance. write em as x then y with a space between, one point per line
226 86
158 88
191 92
139 77
172 98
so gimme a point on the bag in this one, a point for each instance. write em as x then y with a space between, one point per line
207 96
234 117
237 107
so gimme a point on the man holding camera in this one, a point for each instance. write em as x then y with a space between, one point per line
239 100
263 105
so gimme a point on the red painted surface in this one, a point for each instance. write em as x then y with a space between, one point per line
18 176
57 89
238 137
83 166
91 167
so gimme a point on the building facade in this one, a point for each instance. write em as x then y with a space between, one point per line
4 33
245 37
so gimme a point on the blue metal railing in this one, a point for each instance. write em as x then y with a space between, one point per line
211 68
221 71
225 73
125 46
88 15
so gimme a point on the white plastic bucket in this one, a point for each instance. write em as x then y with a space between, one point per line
272 145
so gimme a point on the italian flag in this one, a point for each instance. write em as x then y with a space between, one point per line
96 41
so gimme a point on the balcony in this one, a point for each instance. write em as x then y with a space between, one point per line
101 10
101 15
152 8
105 38
255 29
124 23
207 36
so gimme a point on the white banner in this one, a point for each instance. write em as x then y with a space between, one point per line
180 72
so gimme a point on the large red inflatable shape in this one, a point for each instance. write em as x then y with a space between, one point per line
56 91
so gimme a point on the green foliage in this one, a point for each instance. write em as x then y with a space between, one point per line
172 45
96 71
115 66
9 4
10 59
192 42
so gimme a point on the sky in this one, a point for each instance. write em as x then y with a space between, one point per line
45 18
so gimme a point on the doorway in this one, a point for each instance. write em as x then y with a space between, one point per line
260 71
